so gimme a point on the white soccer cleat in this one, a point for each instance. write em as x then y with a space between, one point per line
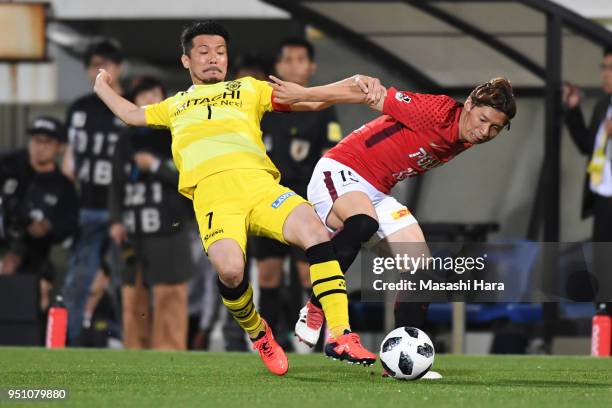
308 326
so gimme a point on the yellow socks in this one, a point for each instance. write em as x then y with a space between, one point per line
329 286
239 302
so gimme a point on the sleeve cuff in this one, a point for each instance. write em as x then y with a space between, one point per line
279 107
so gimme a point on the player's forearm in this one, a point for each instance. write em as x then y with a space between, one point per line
345 91
121 107
310 106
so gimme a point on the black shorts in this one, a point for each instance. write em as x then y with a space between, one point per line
164 259
268 248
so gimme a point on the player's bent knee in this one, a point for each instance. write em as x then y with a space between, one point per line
361 226
227 259
230 270
231 274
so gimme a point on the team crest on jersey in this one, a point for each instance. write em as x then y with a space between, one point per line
402 97
232 85
299 149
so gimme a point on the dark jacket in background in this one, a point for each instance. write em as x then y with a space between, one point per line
584 138
147 203
93 132
28 196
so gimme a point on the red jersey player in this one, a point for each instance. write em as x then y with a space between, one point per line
351 184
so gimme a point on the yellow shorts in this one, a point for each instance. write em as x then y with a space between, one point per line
234 203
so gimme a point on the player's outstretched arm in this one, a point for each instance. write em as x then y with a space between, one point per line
356 89
121 107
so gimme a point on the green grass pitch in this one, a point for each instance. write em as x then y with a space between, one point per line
150 379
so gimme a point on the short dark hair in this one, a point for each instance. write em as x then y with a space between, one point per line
103 48
145 83
296 42
201 28
607 50
498 94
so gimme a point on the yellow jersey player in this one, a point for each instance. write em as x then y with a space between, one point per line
217 147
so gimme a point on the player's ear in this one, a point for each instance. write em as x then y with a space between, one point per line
185 61
468 105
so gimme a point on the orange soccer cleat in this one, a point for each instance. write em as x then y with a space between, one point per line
271 352
348 348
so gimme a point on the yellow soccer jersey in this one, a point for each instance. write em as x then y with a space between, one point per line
215 128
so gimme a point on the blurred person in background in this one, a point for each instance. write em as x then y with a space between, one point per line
101 323
38 205
593 141
150 222
251 65
93 132
294 143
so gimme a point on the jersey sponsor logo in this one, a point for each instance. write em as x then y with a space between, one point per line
227 98
404 174
401 213
299 149
425 160
10 186
402 97
213 234
282 198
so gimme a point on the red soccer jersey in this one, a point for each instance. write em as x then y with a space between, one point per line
416 132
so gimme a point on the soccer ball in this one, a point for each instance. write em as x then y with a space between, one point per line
407 353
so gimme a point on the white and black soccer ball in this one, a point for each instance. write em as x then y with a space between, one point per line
407 353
